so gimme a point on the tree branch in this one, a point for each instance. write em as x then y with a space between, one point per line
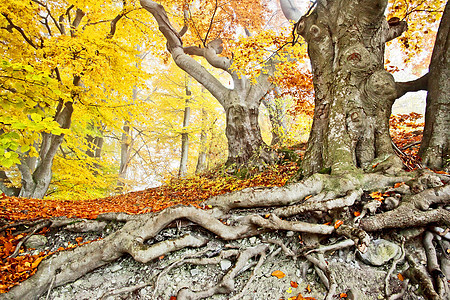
184 61
20 30
412 86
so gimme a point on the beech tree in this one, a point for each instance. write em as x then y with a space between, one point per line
354 94
241 103
354 186
73 49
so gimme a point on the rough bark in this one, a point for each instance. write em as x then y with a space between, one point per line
241 104
435 149
277 112
353 92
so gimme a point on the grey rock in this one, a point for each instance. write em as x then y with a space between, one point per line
289 233
36 241
194 272
225 264
116 268
379 252
252 240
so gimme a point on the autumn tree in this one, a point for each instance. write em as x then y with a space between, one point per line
78 47
241 102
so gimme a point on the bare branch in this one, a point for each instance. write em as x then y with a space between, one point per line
184 61
412 86
20 30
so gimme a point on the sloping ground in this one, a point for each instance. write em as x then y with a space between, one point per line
23 214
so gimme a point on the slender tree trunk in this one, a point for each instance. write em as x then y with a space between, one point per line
353 92
276 115
182 172
125 153
201 161
435 148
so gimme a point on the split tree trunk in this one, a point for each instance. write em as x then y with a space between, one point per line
241 104
353 92
35 183
435 148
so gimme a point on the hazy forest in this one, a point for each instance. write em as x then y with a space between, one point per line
225 149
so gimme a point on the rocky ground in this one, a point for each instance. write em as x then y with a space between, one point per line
357 276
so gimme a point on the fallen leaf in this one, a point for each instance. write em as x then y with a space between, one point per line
338 223
173 298
398 184
400 277
294 284
357 213
278 274
343 295
79 239
308 289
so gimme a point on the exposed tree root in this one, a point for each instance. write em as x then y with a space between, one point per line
227 284
136 237
413 211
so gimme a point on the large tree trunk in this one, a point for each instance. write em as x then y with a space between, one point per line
245 144
354 94
435 150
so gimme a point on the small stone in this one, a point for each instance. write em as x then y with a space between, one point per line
252 240
225 264
116 268
298 273
289 233
36 241
379 252
194 272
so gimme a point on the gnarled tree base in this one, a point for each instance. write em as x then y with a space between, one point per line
217 234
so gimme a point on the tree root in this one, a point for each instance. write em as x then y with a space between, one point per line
414 210
411 212
418 273
396 261
314 204
226 285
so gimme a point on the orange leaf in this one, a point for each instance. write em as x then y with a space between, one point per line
343 295
398 184
79 239
338 223
400 277
37 262
278 274
357 213
173 298
308 288
294 284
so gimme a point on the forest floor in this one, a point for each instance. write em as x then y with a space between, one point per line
285 268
